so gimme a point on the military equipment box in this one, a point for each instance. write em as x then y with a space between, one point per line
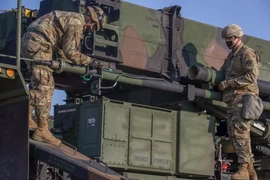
138 137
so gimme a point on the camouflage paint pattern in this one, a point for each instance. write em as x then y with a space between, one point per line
42 84
62 31
143 40
151 40
141 35
239 131
195 43
56 31
241 73
95 17
210 49
155 41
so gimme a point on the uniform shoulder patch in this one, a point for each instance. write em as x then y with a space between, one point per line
249 63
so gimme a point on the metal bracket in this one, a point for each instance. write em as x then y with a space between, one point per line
95 86
68 145
97 159
172 26
191 92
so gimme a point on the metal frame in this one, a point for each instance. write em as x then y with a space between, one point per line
18 42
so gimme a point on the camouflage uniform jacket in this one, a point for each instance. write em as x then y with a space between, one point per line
241 70
63 31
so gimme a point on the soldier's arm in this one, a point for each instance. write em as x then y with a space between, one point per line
71 43
249 65
60 54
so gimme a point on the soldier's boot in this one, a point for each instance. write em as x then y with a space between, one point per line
242 173
252 172
32 123
43 134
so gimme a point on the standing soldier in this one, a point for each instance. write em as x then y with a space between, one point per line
241 73
59 32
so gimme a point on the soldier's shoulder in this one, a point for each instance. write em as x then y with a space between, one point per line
248 50
250 54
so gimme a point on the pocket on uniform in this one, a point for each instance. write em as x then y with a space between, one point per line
32 46
252 107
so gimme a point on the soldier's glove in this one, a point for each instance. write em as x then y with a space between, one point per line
223 85
95 64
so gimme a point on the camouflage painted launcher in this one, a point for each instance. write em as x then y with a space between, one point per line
163 42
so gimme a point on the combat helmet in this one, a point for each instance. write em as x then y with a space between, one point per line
97 15
232 30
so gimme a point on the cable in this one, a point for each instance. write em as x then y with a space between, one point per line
116 81
87 79
134 76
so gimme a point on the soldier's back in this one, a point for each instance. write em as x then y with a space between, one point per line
53 25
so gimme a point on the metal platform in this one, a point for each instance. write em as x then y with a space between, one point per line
67 159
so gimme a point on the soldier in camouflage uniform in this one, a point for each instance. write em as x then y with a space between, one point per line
59 32
241 72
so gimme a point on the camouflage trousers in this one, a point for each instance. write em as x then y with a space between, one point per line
42 84
239 131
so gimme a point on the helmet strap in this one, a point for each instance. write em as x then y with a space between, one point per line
100 16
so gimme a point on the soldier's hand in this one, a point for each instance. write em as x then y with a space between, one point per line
95 64
223 85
